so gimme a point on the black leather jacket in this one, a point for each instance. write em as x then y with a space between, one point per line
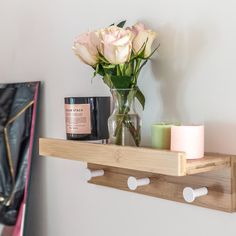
16 106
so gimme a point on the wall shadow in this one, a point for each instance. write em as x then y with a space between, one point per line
180 50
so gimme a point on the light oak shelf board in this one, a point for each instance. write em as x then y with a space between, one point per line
131 158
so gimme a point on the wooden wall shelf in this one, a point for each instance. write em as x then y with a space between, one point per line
169 171
141 159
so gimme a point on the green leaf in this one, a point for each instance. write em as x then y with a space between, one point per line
139 95
140 68
133 55
121 24
107 80
122 68
118 70
102 58
109 71
96 70
111 66
121 82
129 69
99 70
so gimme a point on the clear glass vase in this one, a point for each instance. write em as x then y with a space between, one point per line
124 124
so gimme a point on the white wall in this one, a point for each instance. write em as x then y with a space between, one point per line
193 80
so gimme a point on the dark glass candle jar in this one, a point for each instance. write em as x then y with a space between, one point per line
86 118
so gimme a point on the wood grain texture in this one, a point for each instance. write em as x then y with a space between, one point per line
233 182
208 163
140 159
219 185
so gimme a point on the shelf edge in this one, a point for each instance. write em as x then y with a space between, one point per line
141 159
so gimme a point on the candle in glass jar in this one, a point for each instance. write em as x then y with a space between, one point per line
188 139
86 118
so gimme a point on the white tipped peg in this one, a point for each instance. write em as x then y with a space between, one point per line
133 182
191 194
89 174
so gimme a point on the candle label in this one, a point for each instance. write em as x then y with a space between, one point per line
78 119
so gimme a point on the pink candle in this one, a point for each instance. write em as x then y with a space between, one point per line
188 139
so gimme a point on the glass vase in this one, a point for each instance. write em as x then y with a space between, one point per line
124 124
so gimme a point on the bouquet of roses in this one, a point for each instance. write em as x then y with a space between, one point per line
118 54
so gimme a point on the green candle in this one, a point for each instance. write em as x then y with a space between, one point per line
161 136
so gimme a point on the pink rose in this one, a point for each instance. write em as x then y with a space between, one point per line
116 44
86 48
142 36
